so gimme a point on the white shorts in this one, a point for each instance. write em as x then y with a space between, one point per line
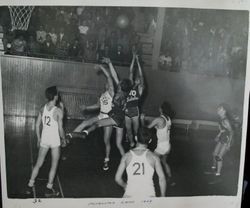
163 148
102 116
49 144
143 193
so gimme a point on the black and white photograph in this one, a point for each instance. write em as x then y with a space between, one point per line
116 105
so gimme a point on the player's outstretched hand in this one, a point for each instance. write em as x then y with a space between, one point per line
106 60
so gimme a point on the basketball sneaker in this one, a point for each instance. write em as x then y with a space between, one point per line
51 192
105 164
28 191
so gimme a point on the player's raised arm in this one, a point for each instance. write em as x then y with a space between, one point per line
109 79
112 70
38 124
161 176
120 171
141 78
131 71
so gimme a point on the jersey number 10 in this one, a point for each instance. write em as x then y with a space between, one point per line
140 169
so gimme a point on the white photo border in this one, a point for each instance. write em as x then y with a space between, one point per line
187 202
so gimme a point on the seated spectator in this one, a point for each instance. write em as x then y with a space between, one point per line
61 36
83 31
118 56
62 49
75 51
90 53
48 48
103 52
112 41
33 47
19 46
53 35
41 35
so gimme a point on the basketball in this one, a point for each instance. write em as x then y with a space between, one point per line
122 21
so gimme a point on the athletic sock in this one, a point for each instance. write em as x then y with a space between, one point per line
31 183
49 185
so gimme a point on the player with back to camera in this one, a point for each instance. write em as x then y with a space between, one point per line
132 112
51 137
223 139
116 116
140 164
162 124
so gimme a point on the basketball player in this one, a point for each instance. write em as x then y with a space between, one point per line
140 164
117 114
132 107
51 118
223 139
162 124
105 105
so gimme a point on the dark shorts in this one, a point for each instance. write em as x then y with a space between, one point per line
118 116
132 112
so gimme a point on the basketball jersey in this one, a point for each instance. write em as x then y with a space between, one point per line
163 134
119 101
140 177
50 131
224 137
133 98
105 102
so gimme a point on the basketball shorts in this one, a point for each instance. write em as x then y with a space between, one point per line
102 115
50 143
118 116
132 112
132 191
163 148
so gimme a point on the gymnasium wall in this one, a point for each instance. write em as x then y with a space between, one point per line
192 96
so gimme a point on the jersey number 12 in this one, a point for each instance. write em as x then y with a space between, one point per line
47 120
140 169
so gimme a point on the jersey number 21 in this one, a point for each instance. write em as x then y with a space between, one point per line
139 168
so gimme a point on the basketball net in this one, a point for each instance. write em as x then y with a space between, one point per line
20 17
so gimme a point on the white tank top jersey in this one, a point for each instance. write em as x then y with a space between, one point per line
50 131
140 177
163 135
105 102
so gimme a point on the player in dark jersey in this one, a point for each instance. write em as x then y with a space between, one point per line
223 139
132 108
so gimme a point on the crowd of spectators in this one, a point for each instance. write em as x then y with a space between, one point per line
199 41
205 41
83 34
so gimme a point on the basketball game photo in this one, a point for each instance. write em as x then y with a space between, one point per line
128 104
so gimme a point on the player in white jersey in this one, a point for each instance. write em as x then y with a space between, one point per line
105 106
140 164
51 118
162 124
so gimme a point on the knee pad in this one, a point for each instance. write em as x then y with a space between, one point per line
218 159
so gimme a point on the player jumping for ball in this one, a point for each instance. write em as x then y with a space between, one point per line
133 100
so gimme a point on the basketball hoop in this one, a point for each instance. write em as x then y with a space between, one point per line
20 16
